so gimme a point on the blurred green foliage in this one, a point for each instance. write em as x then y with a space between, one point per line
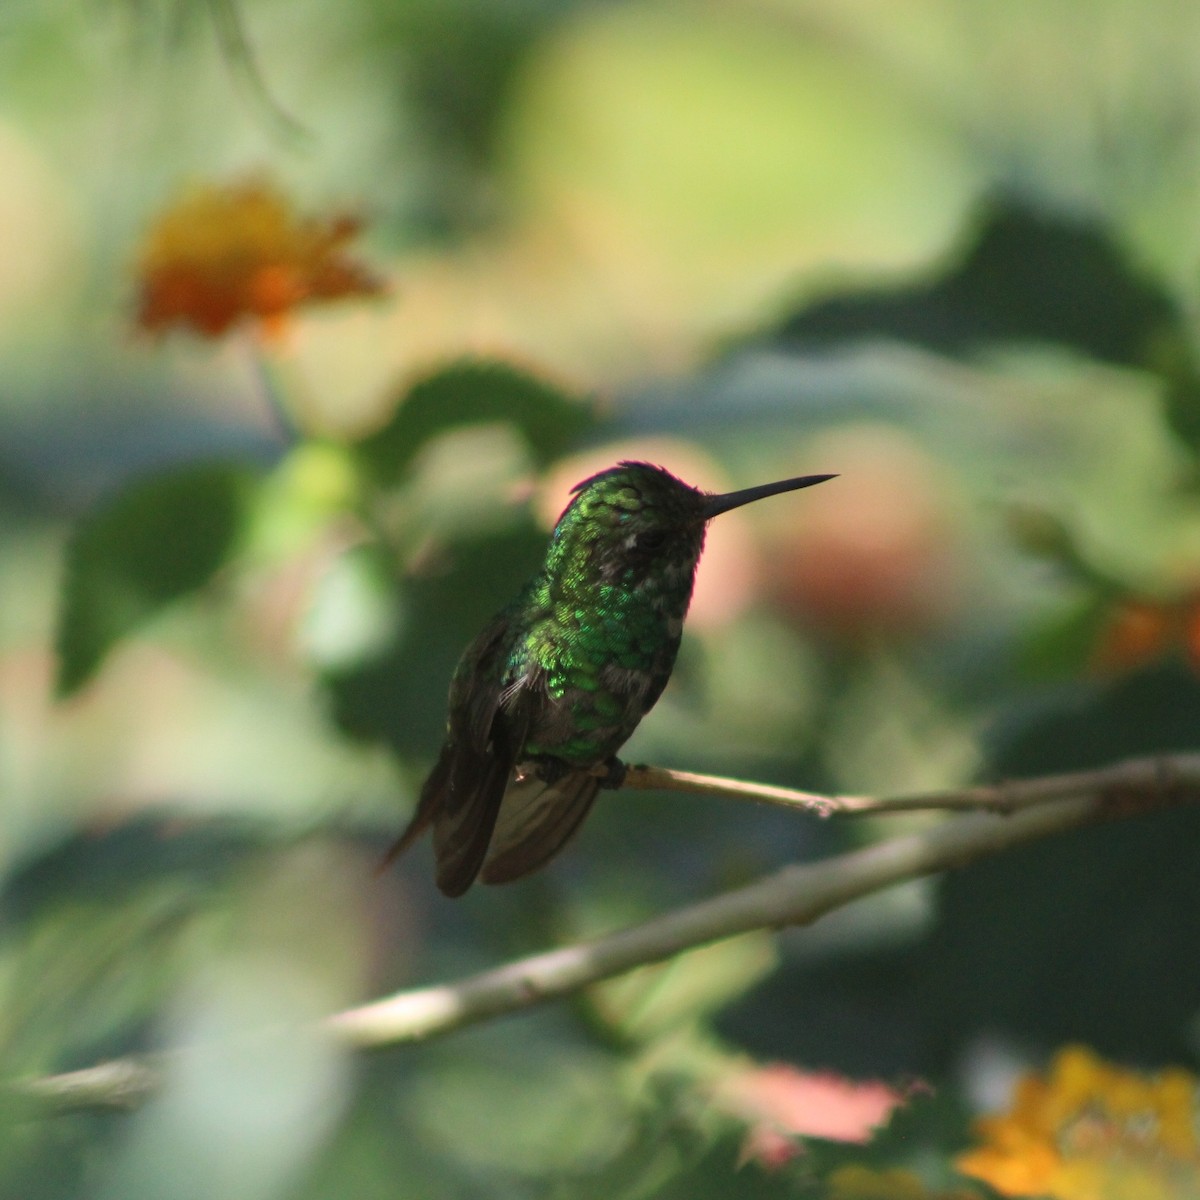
160 540
469 393
949 254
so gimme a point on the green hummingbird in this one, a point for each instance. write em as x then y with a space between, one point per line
557 682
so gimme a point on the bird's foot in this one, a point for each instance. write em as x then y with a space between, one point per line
612 773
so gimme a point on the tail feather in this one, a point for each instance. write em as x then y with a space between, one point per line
489 822
428 806
466 817
536 820
460 800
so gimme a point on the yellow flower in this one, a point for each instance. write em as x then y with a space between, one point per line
1092 1131
224 253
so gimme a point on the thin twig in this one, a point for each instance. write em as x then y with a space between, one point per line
1181 771
121 1085
796 895
234 42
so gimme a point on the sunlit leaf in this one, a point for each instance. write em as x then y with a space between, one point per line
1045 535
651 1000
544 1113
664 139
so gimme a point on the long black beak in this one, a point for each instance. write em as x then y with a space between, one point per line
715 505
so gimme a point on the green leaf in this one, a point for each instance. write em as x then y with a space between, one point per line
157 540
1176 362
1044 535
398 694
1025 275
473 392
1013 930
1061 646
650 1001
95 929
548 1110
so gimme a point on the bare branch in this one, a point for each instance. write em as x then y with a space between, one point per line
1021 811
1139 776
123 1084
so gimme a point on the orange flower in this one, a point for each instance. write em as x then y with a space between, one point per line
1136 633
222 253
1092 1131
1191 633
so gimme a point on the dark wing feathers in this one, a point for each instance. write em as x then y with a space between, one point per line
481 750
475 689
461 798
485 822
536 820
466 812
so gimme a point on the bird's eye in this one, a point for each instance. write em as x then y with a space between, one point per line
652 539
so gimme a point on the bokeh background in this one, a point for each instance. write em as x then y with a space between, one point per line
948 249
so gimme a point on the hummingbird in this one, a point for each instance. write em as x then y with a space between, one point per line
556 683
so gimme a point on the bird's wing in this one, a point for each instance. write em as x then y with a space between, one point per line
469 790
462 795
536 820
